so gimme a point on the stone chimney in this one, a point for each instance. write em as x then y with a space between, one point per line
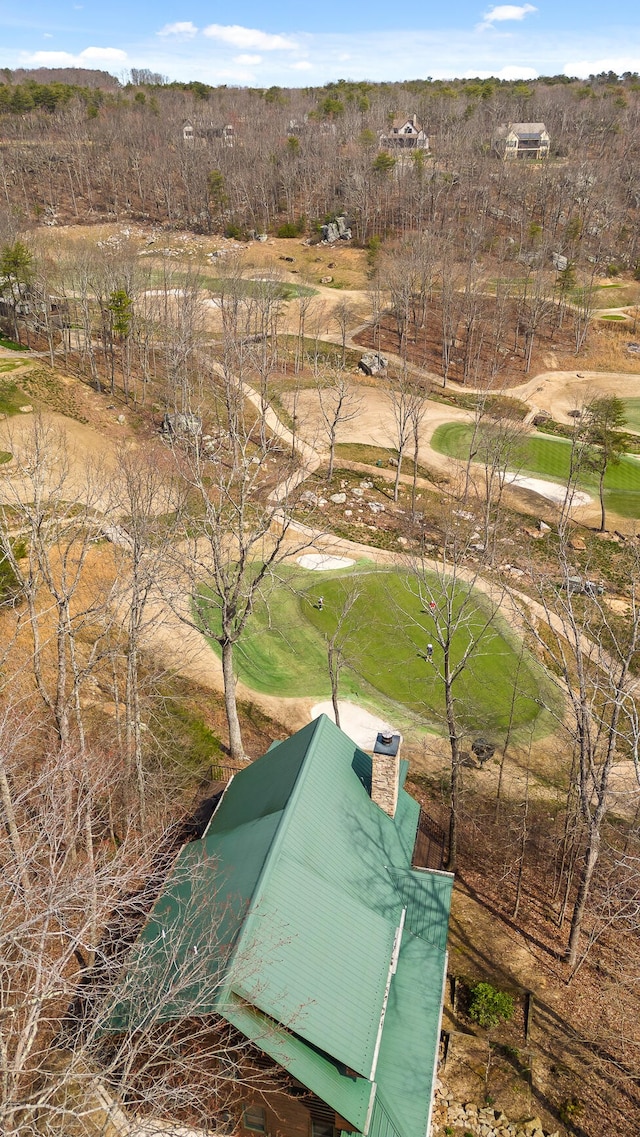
385 772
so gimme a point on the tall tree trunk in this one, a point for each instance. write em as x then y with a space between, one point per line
14 833
396 487
454 742
236 749
334 678
588 868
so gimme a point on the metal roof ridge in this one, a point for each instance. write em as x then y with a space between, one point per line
274 848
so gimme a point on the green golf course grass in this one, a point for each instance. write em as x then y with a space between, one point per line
541 455
283 652
11 398
632 413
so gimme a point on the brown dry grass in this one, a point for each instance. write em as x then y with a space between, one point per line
606 349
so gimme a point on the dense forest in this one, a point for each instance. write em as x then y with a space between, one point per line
70 153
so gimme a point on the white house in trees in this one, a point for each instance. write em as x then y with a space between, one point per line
405 134
521 140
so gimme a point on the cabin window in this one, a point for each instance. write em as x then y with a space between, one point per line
322 1129
255 1118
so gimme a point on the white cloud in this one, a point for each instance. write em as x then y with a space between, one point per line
52 58
249 60
248 38
510 72
502 12
88 56
103 54
617 63
185 29
301 65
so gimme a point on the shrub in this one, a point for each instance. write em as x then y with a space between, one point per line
488 1007
292 228
570 1110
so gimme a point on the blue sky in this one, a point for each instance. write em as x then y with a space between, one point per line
281 42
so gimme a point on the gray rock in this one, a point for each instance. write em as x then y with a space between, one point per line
178 425
532 1125
338 498
372 363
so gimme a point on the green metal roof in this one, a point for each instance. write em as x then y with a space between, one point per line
410 1037
350 1097
329 984
294 898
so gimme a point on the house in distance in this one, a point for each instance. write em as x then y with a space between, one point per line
316 912
405 134
521 140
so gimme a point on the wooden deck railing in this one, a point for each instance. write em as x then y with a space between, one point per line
430 844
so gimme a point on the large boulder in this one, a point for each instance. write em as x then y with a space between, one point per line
372 363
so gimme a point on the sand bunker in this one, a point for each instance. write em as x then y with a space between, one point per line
550 490
320 562
360 725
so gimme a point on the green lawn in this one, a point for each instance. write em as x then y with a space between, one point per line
632 412
12 345
283 652
11 398
246 286
544 456
378 456
8 365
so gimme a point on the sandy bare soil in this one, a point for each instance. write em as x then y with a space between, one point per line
359 724
324 562
80 459
374 426
562 391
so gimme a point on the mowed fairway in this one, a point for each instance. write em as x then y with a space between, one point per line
632 412
283 651
548 457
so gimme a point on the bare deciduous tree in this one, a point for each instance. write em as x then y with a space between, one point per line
339 402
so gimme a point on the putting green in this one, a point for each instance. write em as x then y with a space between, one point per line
548 457
283 651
